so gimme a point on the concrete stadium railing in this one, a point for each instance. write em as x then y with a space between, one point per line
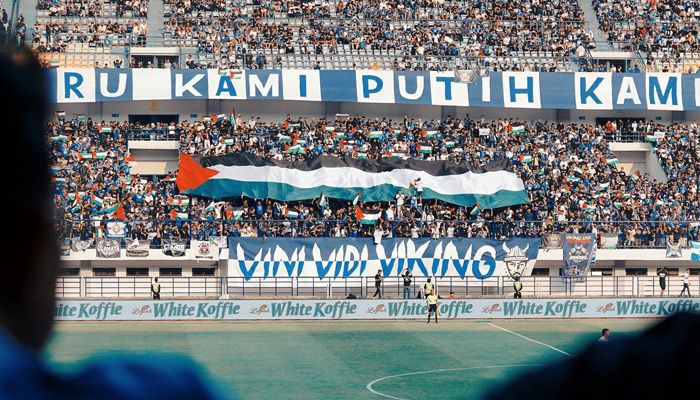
237 287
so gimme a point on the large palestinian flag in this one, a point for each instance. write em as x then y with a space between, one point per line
491 186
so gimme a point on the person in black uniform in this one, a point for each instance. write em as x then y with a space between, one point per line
662 280
378 284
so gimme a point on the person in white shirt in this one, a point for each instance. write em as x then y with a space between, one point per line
686 284
418 184
605 335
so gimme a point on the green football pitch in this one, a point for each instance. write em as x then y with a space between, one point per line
344 360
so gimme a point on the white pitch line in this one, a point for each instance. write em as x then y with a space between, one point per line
532 340
369 385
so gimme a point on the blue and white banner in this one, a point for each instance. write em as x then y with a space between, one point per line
213 310
357 257
548 90
579 254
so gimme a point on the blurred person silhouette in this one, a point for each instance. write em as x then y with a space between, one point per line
669 348
28 284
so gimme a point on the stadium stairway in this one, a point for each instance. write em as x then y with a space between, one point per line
600 37
28 10
638 157
155 23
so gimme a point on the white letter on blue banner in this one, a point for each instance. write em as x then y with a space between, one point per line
664 92
375 86
301 84
521 90
445 92
225 86
75 85
593 90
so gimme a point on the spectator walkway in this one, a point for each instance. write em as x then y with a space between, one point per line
599 36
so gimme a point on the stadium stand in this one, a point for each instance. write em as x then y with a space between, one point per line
398 35
83 33
666 30
569 170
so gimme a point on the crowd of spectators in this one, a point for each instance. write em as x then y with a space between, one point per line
404 31
569 171
99 24
651 25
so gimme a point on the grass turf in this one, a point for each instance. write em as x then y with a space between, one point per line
322 360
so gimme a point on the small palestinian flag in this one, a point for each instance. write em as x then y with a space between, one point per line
375 135
212 206
98 201
284 139
104 129
119 212
61 114
59 138
206 118
518 129
366 219
603 186
236 214
290 214
330 129
426 149
85 156
60 181
131 161
525 159
449 144
178 215
361 156
475 210
228 142
429 134
101 155
612 161
219 117
296 149
179 201
356 199
340 134
626 196
572 178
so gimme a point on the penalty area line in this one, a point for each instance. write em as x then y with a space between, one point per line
529 339
378 393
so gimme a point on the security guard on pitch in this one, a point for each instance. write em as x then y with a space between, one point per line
432 301
155 289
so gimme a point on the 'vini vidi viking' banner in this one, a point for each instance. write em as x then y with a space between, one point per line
357 257
491 186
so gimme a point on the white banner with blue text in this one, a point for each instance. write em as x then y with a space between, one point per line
539 90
